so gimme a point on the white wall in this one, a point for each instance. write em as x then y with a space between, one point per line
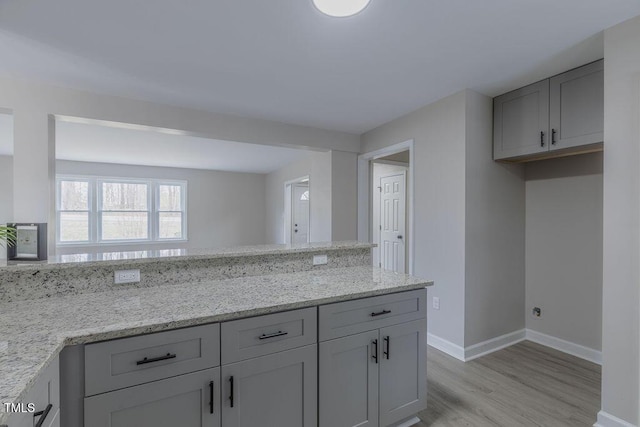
317 165
438 131
6 195
494 232
378 171
621 256
564 248
224 208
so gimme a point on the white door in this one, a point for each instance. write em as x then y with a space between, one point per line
300 214
392 222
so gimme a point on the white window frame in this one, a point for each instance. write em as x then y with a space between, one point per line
95 210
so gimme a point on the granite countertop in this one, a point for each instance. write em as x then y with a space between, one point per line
142 257
32 333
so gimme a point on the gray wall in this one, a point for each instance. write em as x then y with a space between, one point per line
224 208
564 248
438 131
621 266
6 194
494 232
344 196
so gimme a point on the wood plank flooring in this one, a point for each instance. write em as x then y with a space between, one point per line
523 385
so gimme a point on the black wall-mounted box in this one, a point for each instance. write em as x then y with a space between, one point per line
31 242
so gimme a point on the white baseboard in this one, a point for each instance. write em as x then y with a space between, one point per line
494 344
571 348
608 420
445 346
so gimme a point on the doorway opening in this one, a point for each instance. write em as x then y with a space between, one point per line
385 205
297 199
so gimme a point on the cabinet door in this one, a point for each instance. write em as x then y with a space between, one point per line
521 121
577 107
349 381
279 389
403 371
190 400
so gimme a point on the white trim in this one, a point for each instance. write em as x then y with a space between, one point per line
568 347
410 422
364 192
608 420
494 344
445 346
391 162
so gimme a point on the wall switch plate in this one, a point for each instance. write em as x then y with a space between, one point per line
436 303
126 276
320 259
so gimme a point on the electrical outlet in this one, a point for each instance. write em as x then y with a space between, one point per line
536 312
436 303
320 259
126 276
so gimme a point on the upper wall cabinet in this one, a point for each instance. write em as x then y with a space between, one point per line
555 117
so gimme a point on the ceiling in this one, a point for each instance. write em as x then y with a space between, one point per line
88 142
283 60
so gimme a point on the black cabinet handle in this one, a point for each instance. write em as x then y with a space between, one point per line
276 334
541 139
374 356
380 313
388 342
156 359
42 415
553 136
211 397
231 395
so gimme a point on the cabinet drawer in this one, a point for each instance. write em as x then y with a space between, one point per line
120 363
352 317
256 336
44 392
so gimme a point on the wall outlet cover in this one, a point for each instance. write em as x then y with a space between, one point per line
436 303
126 276
320 259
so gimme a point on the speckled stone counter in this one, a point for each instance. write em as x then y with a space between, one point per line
32 333
87 273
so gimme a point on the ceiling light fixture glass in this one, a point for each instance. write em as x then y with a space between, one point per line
340 8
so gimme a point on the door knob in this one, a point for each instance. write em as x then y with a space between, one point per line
295 231
399 237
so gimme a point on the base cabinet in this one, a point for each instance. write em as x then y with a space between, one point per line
190 400
279 389
375 378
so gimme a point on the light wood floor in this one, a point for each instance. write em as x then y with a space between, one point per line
523 385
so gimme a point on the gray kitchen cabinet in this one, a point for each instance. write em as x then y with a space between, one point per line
521 121
557 116
403 370
378 377
576 107
189 400
45 397
278 389
349 381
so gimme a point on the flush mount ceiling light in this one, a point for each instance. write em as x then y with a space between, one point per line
340 8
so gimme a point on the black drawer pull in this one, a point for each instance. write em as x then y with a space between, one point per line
156 359
387 340
374 356
541 139
276 334
231 395
211 397
42 415
380 313
553 136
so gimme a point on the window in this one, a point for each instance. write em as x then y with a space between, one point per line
92 210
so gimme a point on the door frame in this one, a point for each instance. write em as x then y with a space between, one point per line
365 202
288 191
